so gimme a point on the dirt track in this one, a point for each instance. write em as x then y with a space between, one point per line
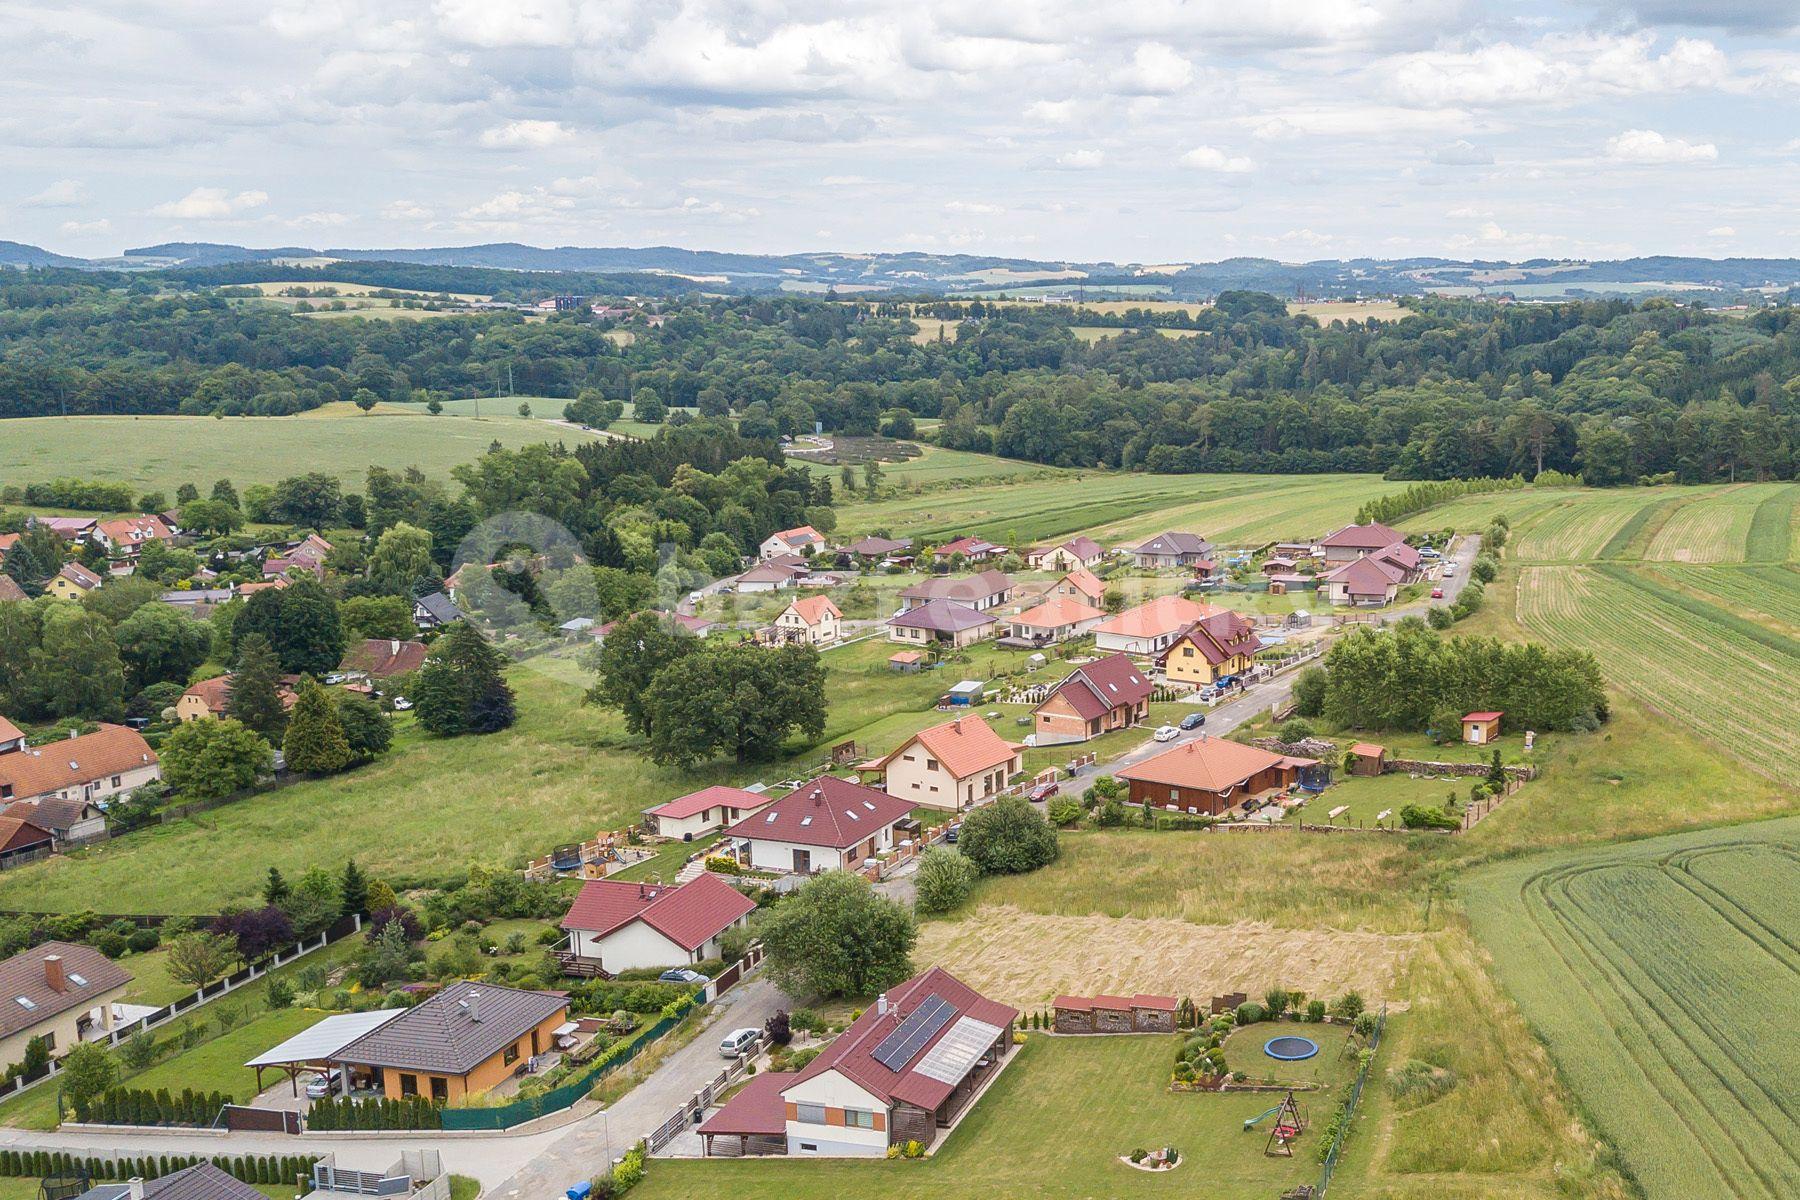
1026 959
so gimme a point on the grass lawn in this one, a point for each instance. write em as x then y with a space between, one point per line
1369 796
219 1064
1052 1126
163 452
1329 1069
151 982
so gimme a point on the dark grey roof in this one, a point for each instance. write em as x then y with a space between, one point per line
439 608
23 975
58 814
1175 542
203 1181
942 616
441 1037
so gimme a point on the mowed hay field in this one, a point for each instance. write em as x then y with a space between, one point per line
163 452
1123 507
1664 976
1716 528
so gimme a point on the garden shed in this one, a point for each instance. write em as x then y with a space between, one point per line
1366 758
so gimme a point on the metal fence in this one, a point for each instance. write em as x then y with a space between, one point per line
1356 1090
505 1116
694 1108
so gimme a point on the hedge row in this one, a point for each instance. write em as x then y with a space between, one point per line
140 1106
343 1112
251 1168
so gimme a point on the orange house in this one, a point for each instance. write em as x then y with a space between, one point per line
466 1040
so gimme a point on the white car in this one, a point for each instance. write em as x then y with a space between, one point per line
739 1042
1167 733
1449 568
321 1086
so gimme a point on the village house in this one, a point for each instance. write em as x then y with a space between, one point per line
824 825
69 820
953 766
800 541
698 626
969 549
903 1071
198 601
464 1041
1096 698
1354 541
202 1181
10 591
111 761
1151 627
1053 621
125 536
769 577
1080 584
1367 581
55 991
941 622
1076 552
1114 1014
1172 549
210 698
699 813
1217 645
614 926
70 529
22 840
310 552
72 582
382 658
873 547
810 621
435 610
989 589
1208 776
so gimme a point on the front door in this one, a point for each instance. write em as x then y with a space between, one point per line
803 862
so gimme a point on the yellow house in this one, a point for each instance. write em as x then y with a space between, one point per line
72 582
56 992
466 1040
813 621
1215 646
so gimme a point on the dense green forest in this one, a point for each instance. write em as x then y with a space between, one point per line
1609 389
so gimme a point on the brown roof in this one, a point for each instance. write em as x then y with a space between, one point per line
87 975
966 746
1366 577
965 589
942 616
58 814
1372 536
10 590
1115 1003
136 530
1219 636
111 750
19 833
828 811
689 915
1103 685
1483 716
382 657
1165 614
79 575
756 1111
1208 765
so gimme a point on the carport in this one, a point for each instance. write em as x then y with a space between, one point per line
315 1048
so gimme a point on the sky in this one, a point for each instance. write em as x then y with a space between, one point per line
1150 132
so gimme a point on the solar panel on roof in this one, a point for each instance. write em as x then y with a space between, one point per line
898 1048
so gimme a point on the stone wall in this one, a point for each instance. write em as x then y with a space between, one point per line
1329 752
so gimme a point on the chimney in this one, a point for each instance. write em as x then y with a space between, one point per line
73 735
134 1187
881 1005
53 973
473 1004
394 647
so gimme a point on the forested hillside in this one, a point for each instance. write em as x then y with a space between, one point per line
1613 391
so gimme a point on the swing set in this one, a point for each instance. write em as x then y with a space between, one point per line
1289 1125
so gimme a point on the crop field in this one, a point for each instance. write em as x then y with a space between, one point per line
1716 527
348 290
1094 333
1687 657
1767 593
163 452
1579 526
1327 311
1120 507
1663 977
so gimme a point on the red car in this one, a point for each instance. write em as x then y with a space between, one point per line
1437 593
1042 792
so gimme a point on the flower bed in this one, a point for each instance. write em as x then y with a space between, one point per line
1165 1159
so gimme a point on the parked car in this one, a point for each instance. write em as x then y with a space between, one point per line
1428 552
1167 733
1193 720
1449 568
681 975
950 833
1437 593
325 1084
1042 792
739 1042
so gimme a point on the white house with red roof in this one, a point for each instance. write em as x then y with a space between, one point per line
904 1071
1354 541
791 541
1074 554
954 766
699 813
810 621
824 825
128 535
616 927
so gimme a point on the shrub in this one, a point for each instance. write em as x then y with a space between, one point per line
1415 816
913 1148
1439 617
1008 837
1249 1013
1111 814
1366 1024
1275 1001
1064 812
280 993
1315 1010
944 880
1309 693
1296 729
1349 1006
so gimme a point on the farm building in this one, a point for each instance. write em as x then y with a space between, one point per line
1051 622
1480 728
23 840
1219 644
614 926
1366 758
989 589
688 817
903 1071
954 766
1075 553
824 825
1115 1014
1150 628
1095 698
1209 776
944 622
1172 549
810 621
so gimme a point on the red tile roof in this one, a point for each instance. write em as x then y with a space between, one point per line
828 812
812 609
71 762
852 1053
1059 613
382 657
16 833
1101 686
1163 615
756 1111
966 746
1366 577
9 731
1372 536
1085 582
1483 716
1208 765
695 803
689 915
134 531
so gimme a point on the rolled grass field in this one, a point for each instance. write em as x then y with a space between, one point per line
1662 975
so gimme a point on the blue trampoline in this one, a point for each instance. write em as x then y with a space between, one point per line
1290 1049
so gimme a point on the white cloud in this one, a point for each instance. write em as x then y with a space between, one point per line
1558 69
64 193
319 220
513 23
210 204
406 210
1154 70
973 207
512 204
1080 160
86 228
1211 158
845 181
1649 146
1462 153
1723 231
1053 112
533 135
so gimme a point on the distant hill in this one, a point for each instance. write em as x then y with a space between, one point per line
918 273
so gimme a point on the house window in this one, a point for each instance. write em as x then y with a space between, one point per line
409 1085
1187 652
49 1036
440 1090
809 1114
809 1147
115 781
859 1118
511 1056
931 764
6 791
